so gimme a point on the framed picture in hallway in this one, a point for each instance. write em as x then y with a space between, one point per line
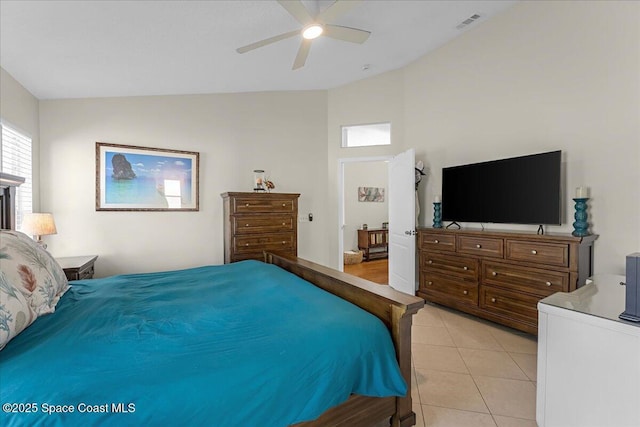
370 194
131 178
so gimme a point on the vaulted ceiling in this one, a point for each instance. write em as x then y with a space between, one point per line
77 49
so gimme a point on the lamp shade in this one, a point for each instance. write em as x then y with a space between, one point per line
38 224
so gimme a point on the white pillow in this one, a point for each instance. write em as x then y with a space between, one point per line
32 270
15 311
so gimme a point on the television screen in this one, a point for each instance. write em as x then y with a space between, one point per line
518 190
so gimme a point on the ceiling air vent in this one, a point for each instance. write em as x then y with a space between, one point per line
470 20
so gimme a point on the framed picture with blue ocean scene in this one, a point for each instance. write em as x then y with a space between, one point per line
130 178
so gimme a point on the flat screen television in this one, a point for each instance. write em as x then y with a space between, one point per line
517 190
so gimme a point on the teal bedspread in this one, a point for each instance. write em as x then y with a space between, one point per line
244 344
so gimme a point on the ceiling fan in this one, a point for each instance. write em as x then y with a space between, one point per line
313 27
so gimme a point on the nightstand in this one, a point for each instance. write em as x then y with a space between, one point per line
78 267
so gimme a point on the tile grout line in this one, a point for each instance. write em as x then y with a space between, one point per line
519 367
476 385
516 362
415 378
472 376
414 374
424 420
469 370
448 324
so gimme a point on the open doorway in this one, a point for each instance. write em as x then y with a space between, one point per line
365 218
400 232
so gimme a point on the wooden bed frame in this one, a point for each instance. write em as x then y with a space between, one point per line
8 184
395 309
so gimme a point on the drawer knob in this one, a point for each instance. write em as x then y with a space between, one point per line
465 292
247 205
284 243
246 244
284 204
246 225
494 273
436 241
465 268
478 246
284 223
493 300
429 283
534 251
548 283
430 262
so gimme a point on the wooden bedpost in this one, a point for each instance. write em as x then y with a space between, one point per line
401 334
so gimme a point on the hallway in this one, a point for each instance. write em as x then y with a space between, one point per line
377 270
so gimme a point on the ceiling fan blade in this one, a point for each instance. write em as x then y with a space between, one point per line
347 34
303 52
265 42
337 9
297 10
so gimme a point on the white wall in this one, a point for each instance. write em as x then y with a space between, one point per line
19 108
363 174
283 133
540 76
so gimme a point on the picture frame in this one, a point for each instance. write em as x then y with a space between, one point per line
132 178
371 194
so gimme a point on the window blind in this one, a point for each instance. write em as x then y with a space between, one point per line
15 159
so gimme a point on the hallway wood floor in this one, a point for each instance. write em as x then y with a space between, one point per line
377 270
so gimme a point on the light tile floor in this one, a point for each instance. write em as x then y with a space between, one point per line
471 372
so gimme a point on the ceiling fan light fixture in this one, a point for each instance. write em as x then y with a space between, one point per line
313 27
312 32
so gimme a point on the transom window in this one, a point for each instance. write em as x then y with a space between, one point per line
366 135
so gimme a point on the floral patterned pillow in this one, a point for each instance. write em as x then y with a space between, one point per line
32 270
15 311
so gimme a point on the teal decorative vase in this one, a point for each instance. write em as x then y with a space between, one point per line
581 225
437 215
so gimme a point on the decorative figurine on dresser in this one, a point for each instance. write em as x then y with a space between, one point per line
257 222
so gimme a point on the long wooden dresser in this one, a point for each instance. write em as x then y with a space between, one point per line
255 222
500 275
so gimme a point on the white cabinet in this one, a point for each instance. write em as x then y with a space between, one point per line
588 359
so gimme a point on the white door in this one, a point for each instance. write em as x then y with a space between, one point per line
402 223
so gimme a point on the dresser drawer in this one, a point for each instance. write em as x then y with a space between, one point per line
258 255
520 307
532 280
246 224
438 242
264 242
481 246
556 254
86 272
251 205
457 266
459 289
78 267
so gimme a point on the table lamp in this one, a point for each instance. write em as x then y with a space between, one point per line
38 225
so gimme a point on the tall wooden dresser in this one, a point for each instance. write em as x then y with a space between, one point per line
501 276
257 222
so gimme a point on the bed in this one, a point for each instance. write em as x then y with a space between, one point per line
158 366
